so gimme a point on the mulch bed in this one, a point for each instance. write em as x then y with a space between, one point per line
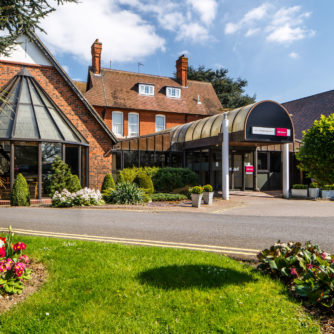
38 277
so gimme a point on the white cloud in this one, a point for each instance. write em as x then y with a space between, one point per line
293 55
206 9
284 25
193 31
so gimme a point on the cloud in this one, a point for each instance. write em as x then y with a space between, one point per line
206 9
293 55
284 25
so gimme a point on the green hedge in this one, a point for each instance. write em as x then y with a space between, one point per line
158 197
328 187
20 195
300 186
145 182
108 182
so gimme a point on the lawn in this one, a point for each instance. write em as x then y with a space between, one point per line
106 288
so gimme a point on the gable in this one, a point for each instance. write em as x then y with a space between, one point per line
26 52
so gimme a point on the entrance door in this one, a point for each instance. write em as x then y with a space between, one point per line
239 178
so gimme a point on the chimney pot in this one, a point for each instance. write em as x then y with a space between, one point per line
181 70
96 56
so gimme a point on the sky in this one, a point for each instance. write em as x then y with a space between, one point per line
283 48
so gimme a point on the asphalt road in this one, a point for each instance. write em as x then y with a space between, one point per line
232 230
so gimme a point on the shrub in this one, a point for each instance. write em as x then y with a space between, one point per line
20 195
167 179
328 187
74 184
145 182
13 265
208 188
108 182
83 197
127 175
157 197
61 176
314 185
124 193
196 190
308 271
300 186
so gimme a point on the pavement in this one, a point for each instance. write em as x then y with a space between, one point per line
250 221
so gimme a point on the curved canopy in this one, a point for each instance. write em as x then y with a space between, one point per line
265 121
28 113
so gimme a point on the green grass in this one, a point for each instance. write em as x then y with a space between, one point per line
105 288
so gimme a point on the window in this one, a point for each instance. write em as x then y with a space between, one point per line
146 89
173 92
262 161
133 129
160 123
117 123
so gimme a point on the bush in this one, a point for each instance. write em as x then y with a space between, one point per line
83 197
13 265
328 187
208 188
108 182
157 197
196 190
300 186
74 184
129 174
145 182
314 185
61 176
167 179
124 193
20 195
308 271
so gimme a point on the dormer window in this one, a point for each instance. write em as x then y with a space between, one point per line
145 89
173 92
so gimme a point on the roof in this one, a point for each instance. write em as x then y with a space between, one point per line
81 85
61 71
27 112
308 109
119 89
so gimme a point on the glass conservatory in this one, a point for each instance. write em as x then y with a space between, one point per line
33 132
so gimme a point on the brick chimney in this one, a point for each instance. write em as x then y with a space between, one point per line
96 56
181 70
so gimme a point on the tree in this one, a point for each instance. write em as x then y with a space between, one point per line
60 178
316 154
108 182
231 93
20 17
20 195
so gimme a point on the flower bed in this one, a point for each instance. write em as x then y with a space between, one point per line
159 197
83 197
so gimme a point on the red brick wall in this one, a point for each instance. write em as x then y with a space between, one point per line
62 94
147 119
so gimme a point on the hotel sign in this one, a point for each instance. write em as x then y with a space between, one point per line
278 132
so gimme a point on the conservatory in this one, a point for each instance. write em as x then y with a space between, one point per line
33 132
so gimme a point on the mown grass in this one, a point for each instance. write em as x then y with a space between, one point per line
106 288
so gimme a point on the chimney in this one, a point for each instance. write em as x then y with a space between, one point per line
181 70
96 56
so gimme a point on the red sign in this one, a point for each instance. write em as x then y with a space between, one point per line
281 132
249 169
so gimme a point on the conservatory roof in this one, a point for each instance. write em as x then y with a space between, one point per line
28 113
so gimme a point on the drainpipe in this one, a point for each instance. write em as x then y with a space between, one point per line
286 186
225 162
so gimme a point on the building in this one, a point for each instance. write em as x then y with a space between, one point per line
44 115
135 104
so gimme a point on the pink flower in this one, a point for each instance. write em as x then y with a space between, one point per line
19 269
24 258
323 255
309 266
2 252
293 271
9 263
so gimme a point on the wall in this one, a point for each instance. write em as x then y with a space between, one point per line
62 94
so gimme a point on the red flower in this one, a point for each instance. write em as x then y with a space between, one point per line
19 246
323 255
3 242
2 252
309 266
293 271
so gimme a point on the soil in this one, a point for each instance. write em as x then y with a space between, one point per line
38 277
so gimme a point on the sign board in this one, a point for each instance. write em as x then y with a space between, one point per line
249 169
278 132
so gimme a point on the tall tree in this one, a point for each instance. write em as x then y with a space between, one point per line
22 16
230 92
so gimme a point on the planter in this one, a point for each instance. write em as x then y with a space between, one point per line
327 194
300 193
196 200
314 192
208 197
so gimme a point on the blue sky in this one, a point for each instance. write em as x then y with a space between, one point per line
283 48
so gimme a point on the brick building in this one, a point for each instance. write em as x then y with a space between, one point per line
42 115
135 104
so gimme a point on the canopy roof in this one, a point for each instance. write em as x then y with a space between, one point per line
28 113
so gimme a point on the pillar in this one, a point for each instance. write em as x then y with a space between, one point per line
225 162
286 185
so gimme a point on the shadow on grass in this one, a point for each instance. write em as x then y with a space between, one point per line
187 276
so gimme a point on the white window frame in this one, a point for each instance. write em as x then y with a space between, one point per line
146 89
133 134
164 118
114 125
173 92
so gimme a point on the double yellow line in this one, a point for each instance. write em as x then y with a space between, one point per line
127 241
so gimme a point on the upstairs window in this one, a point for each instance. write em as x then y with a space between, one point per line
173 92
146 89
160 123
117 123
133 128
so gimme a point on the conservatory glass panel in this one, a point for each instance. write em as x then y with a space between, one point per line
26 126
46 126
